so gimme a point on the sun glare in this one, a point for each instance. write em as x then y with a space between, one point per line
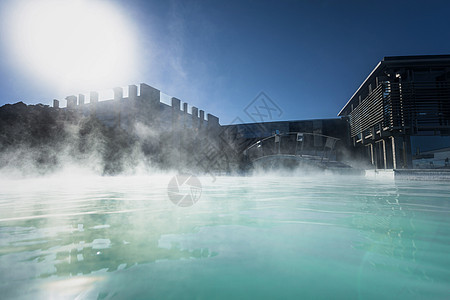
74 44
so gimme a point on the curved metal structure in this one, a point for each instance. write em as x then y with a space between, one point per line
293 150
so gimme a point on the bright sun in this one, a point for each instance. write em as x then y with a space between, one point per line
75 44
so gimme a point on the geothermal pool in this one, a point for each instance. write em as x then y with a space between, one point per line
266 237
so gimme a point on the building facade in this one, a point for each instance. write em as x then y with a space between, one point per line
401 112
142 104
170 136
319 137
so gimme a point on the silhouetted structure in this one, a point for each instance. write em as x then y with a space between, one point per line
145 106
169 133
401 110
399 118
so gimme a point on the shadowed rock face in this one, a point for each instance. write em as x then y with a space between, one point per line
41 139
29 132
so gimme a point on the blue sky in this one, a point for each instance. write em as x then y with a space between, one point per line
309 57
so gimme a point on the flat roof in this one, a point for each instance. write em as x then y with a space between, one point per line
417 57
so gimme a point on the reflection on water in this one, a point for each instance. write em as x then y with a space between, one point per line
246 237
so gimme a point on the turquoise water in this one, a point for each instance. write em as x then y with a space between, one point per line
246 238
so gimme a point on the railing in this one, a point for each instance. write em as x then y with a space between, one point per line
307 145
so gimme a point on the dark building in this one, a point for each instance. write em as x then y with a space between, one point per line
173 136
246 134
400 115
300 137
145 107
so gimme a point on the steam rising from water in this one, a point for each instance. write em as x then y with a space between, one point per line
85 148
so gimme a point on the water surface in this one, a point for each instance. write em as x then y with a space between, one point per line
268 237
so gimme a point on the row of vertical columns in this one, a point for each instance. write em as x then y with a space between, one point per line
390 153
73 101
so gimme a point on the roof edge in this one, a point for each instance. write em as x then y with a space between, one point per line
362 84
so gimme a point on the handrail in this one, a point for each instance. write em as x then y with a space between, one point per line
286 134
